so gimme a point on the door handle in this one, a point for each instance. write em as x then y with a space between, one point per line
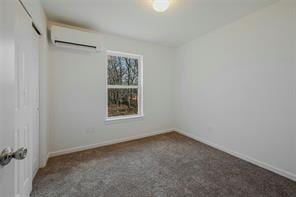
8 154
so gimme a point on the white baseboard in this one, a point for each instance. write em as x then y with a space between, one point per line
106 143
264 165
44 163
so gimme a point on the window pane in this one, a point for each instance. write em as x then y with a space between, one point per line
122 70
122 102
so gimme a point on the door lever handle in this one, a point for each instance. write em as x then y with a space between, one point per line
20 153
8 154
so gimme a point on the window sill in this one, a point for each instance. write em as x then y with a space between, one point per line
123 118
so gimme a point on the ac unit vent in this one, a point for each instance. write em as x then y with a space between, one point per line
71 43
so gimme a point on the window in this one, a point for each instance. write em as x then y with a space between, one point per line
124 86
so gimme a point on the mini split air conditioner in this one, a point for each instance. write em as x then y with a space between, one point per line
76 39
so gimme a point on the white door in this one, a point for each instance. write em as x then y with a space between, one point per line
7 94
17 107
23 131
35 101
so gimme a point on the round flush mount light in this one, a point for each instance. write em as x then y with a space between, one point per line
161 5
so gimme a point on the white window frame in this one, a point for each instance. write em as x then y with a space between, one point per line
140 113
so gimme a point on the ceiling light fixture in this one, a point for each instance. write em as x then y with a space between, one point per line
161 5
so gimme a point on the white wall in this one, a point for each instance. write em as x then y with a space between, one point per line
77 94
236 87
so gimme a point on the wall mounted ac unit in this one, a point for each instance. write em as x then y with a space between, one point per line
73 38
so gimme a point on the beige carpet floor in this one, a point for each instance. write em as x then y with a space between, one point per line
161 166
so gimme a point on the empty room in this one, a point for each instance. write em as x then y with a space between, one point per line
147 98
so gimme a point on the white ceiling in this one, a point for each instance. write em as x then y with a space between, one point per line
182 22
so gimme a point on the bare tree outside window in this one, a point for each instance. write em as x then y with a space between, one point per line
124 85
